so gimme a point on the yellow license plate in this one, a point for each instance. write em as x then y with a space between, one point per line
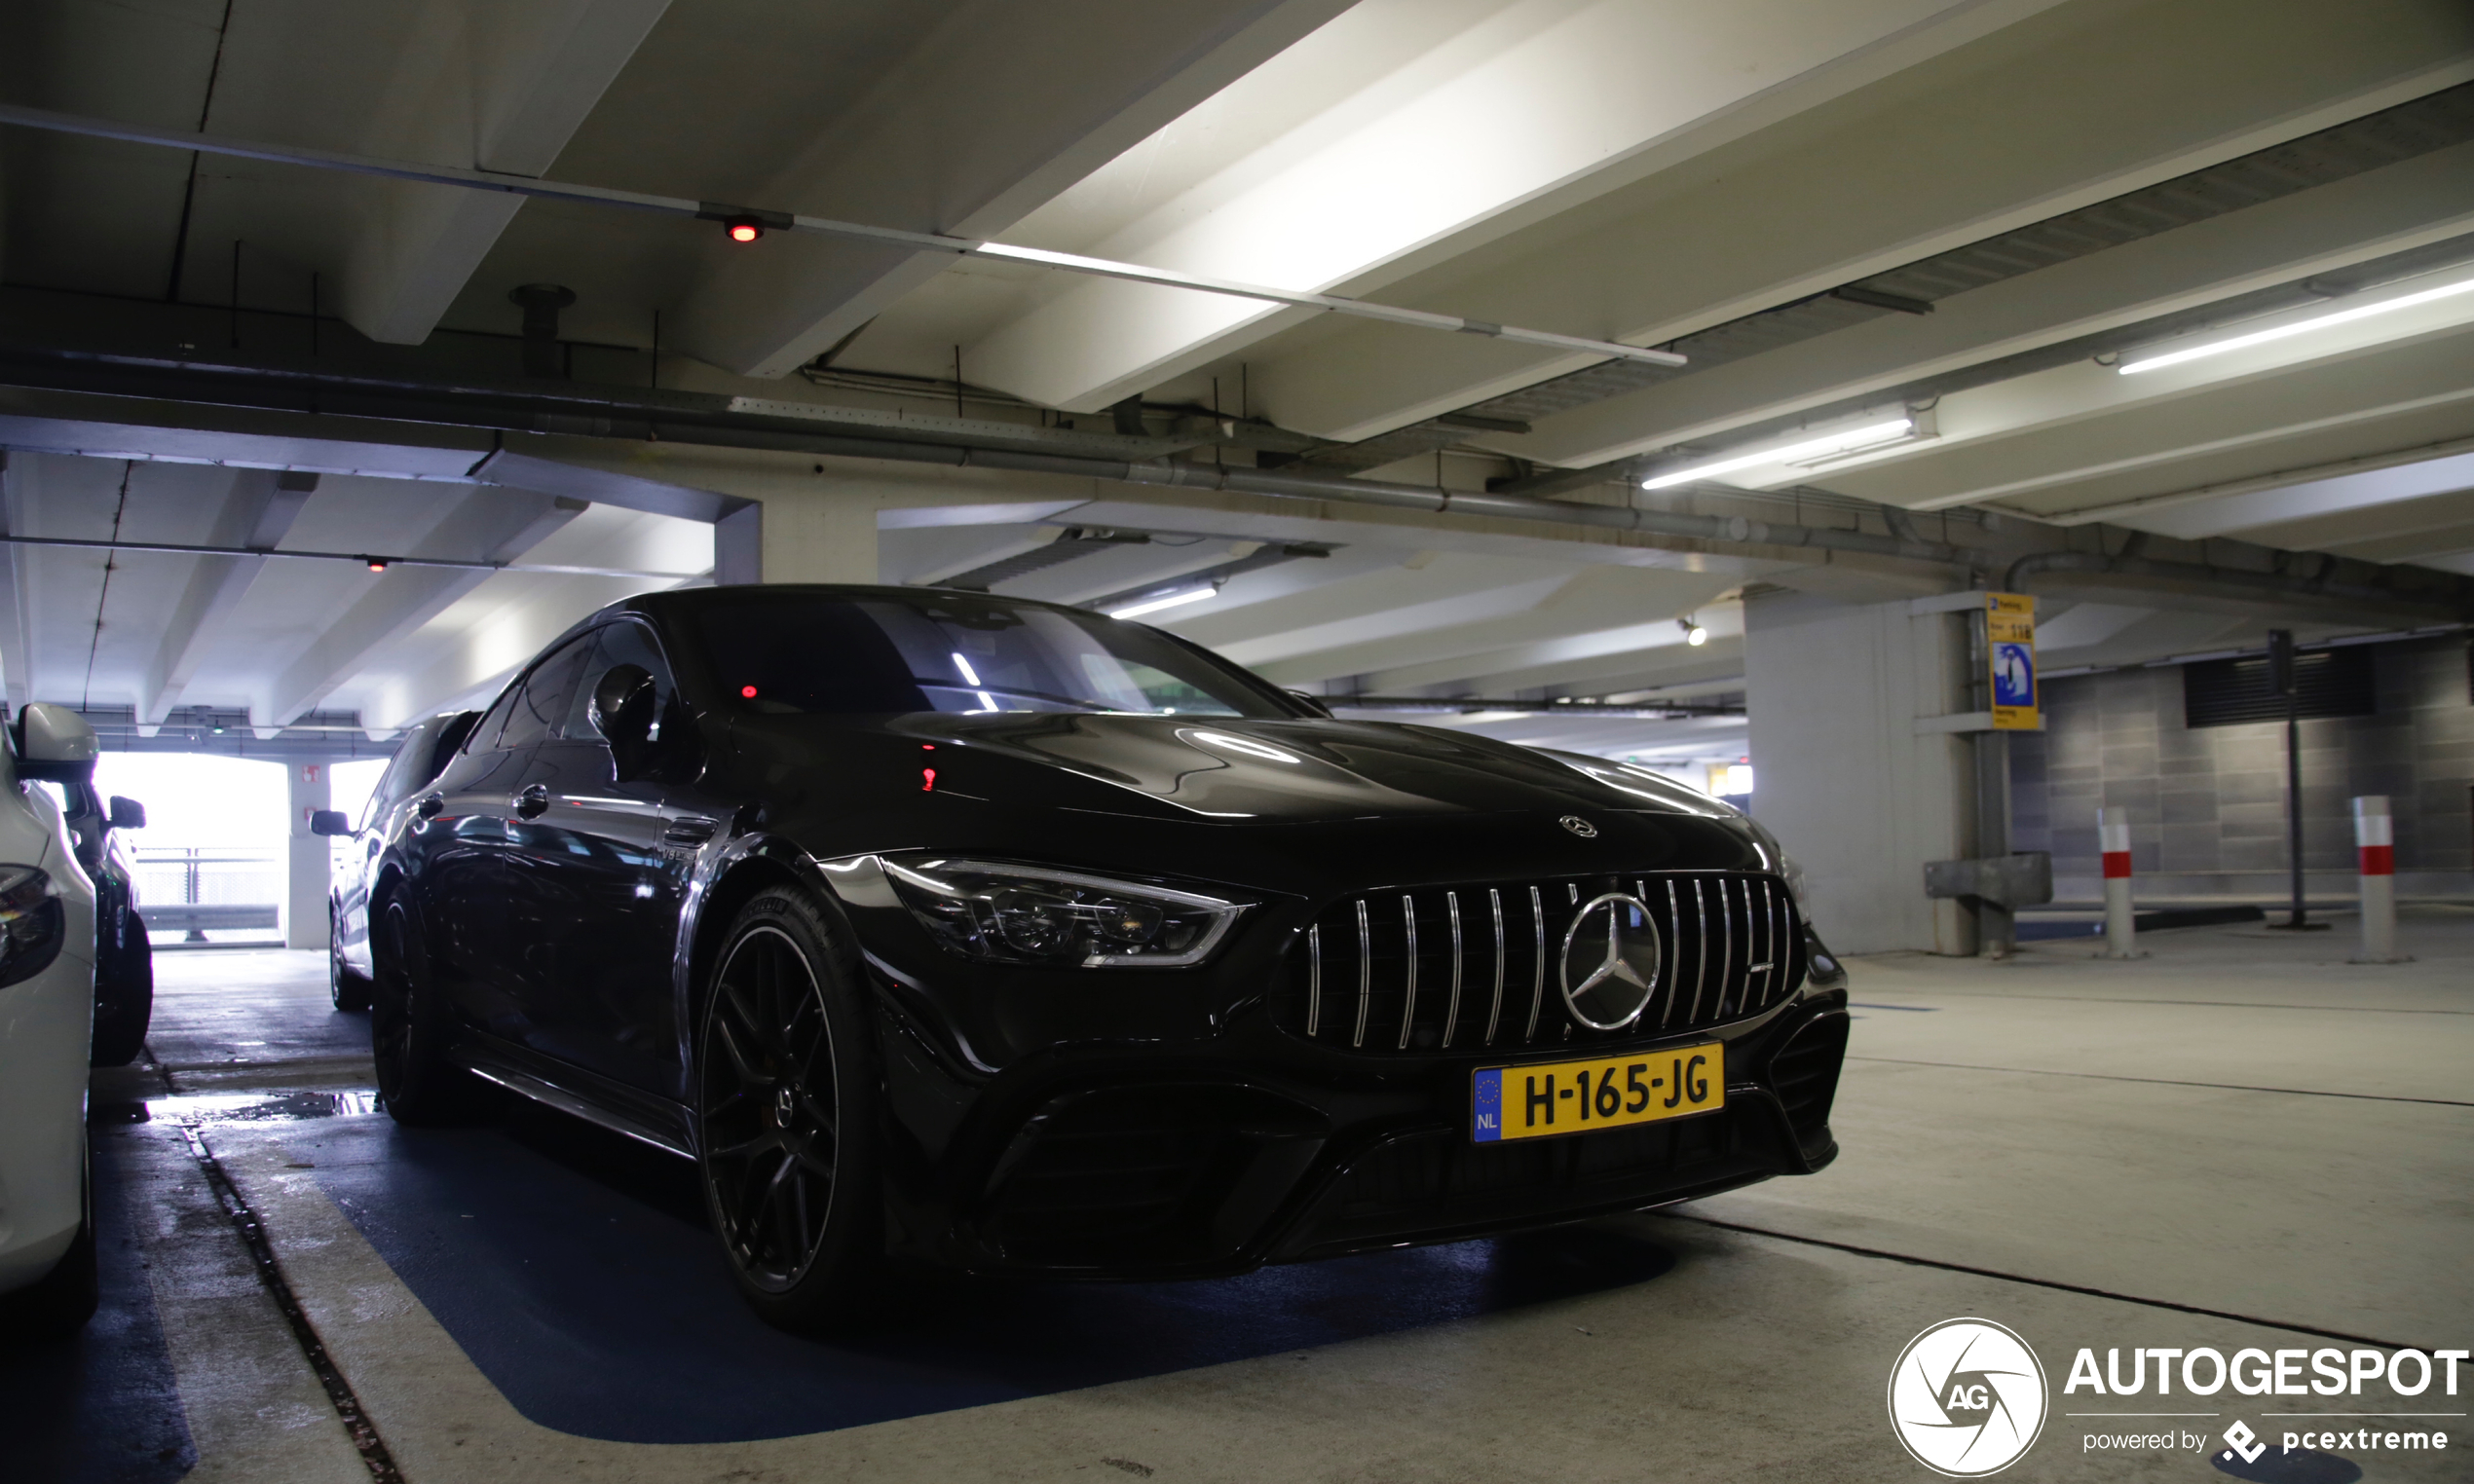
1554 1097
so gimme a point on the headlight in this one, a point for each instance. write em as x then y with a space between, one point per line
1025 915
32 924
1794 877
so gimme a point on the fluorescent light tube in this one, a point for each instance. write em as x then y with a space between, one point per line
1172 600
1837 442
2298 327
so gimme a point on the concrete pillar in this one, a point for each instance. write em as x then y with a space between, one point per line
306 873
824 534
1863 778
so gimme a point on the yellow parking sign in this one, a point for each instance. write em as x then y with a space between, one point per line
2009 633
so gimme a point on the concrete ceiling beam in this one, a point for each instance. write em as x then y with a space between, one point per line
2096 439
258 507
1001 108
1403 133
495 84
16 621
501 524
1880 178
2405 205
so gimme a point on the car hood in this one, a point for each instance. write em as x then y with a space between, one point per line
1216 769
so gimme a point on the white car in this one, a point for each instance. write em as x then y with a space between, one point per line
47 1026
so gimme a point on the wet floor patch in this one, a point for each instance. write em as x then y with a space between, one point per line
259 1107
577 1272
101 1406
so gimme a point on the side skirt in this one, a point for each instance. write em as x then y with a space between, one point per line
579 1093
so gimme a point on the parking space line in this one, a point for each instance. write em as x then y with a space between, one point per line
2170 1081
372 1448
2037 1282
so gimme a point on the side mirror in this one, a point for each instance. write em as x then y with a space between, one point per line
624 706
321 821
54 745
127 813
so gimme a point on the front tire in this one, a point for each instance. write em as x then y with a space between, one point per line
411 1028
347 990
786 1116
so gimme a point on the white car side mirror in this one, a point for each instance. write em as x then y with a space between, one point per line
53 744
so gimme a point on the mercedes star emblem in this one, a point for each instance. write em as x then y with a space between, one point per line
1610 961
1580 826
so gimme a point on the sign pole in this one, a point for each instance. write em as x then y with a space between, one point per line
2281 674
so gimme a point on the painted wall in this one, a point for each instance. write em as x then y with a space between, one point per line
2208 806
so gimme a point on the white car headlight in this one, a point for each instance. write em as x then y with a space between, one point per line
1029 915
32 924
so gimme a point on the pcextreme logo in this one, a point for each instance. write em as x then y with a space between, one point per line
1966 1398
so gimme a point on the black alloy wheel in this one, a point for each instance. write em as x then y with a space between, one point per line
785 1127
410 1028
347 990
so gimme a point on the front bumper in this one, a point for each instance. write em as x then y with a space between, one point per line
1246 1146
46 1028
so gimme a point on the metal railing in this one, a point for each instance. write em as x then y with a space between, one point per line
194 889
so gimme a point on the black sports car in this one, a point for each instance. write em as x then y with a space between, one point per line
1010 936
124 955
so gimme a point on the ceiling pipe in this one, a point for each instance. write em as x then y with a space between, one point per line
690 419
1559 707
755 221
374 560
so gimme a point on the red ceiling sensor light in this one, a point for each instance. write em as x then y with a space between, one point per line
744 224
747 692
376 564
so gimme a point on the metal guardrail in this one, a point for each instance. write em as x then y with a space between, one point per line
197 889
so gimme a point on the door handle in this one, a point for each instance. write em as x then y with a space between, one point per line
530 803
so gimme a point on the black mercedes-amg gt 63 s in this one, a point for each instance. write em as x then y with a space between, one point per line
1013 938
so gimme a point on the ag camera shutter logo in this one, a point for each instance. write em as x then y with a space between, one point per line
1967 1397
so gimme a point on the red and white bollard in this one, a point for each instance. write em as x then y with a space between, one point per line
2112 837
2376 842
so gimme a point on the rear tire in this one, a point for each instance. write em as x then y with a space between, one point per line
124 997
64 1299
411 1029
348 991
786 1116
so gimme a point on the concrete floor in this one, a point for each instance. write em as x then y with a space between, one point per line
2239 1140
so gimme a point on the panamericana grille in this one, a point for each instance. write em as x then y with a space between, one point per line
1465 967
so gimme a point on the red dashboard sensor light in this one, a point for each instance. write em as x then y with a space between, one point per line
743 229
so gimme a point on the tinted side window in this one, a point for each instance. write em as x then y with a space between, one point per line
625 642
485 735
546 694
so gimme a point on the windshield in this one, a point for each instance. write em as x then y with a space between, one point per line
956 653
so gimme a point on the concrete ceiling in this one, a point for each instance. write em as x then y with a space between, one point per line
2066 185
